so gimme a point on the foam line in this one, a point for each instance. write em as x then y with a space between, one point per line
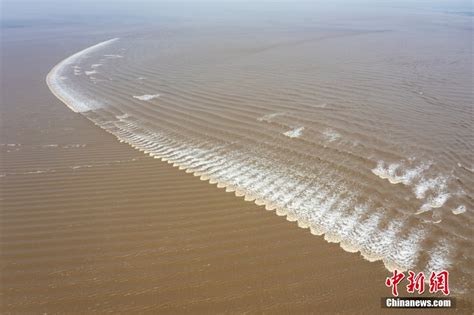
310 192
146 97
67 95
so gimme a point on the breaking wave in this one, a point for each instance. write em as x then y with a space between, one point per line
323 181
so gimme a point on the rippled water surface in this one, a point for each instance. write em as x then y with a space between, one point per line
361 131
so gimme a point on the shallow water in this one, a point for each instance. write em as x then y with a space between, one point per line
361 132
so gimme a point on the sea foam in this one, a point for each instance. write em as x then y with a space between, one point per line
331 135
315 195
68 95
146 97
432 190
294 133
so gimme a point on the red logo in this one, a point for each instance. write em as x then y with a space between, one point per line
439 282
416 282
394 281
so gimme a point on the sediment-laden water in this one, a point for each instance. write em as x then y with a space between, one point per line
362 135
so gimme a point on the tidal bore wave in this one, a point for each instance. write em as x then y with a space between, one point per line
320 152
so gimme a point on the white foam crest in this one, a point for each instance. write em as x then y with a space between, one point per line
405 176
325 206
206 165
332 218
122 117
460 209
264 186
219 165
313 200
434 191
73 99
146 97
439 257
405 250
320 203
303 195
331 203
320 200
276 190
89 73
294 133
331 135
379 245
290 189
385 172
188 157
228 173
439 184
256 181
348 223
240 177
434 202
359 237
247 184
